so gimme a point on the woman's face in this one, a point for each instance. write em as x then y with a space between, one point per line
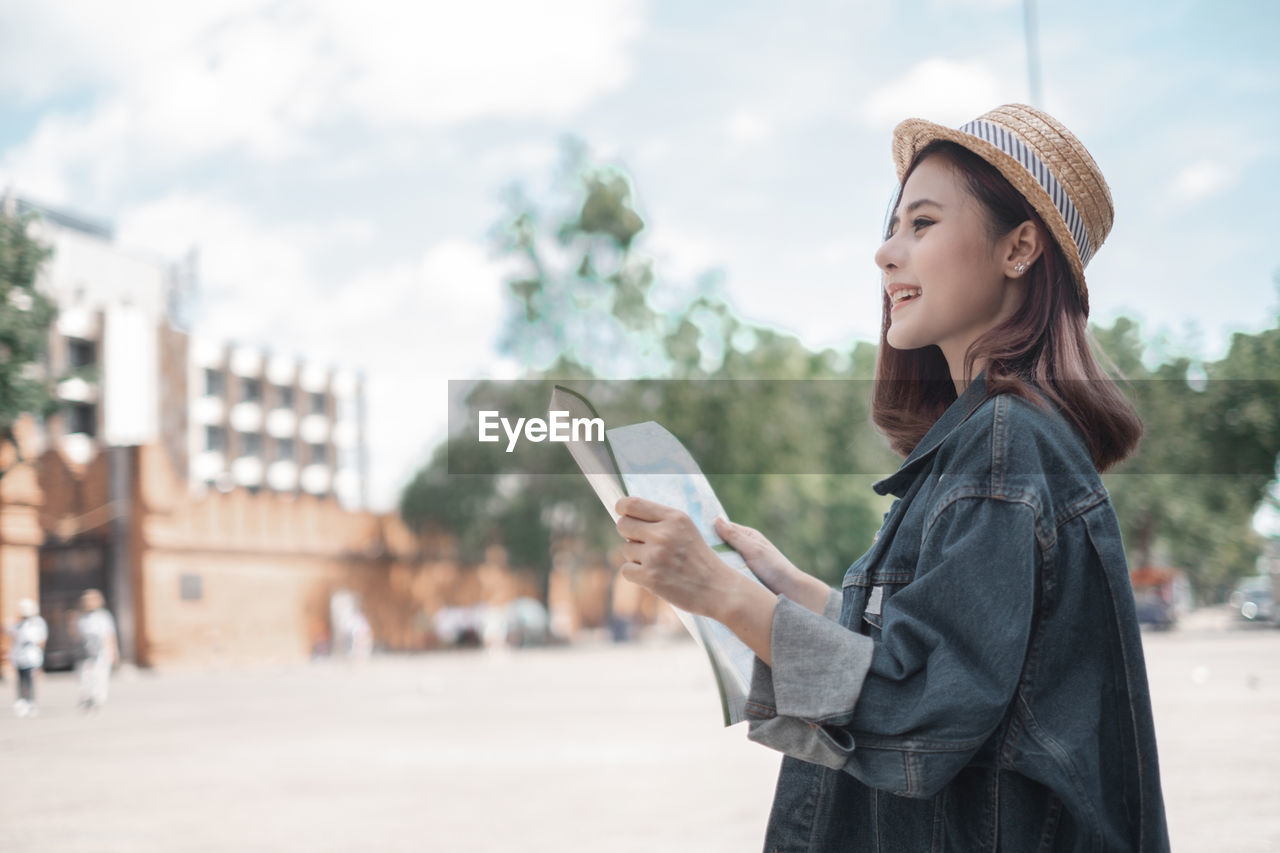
945 277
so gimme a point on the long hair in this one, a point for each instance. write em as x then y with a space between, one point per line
1043 352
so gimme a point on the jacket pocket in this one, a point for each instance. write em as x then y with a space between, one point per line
871 595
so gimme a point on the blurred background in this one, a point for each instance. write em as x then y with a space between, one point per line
246 245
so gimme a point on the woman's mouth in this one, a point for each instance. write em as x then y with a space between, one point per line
903 296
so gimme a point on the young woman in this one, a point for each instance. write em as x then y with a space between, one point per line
978 682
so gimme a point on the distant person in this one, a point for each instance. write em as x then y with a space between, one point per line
29 633
360 636
99 649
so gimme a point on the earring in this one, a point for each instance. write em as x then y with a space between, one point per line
1020 267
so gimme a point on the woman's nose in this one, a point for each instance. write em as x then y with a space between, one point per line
888 255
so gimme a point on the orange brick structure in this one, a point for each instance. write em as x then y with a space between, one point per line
20 532
235 532
236 577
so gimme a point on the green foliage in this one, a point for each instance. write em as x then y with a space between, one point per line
581 295
796 460
25 316
1188 496
583 305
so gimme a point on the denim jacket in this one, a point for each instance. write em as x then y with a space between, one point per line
978 684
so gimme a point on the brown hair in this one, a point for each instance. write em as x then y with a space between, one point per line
1043 352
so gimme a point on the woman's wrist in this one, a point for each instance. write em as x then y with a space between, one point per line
747 610
813 594
803 588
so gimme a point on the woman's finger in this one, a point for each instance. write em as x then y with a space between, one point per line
632 529
633 552
727 529
631 572
642 509
739 536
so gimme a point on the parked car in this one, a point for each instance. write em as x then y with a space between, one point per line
1157 593
1253 600
1153 610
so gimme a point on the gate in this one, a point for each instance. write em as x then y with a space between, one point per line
66 571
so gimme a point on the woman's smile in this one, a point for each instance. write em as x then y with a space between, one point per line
902 294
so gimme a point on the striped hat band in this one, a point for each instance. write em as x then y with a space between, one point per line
1010 144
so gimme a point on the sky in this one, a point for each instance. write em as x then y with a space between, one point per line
339 166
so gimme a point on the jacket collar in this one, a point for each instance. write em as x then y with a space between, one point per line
956 414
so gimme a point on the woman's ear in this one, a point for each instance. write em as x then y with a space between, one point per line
1022 248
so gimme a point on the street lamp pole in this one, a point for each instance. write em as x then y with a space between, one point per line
1035 92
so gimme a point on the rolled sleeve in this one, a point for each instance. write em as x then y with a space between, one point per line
818 670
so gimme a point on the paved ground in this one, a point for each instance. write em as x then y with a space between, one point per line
593 748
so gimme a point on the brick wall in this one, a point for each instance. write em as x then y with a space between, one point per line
236 577
20 531
239 576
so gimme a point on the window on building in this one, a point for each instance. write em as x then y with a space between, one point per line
251 390
319 404
81 353
319 454
284 397
83 418
250 444
215 439
285 450
190 587
215 382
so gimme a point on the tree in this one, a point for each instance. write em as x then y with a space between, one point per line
1188 495
778 443
581 293
788 443
25 317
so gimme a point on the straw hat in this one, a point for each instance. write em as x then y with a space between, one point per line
1044 161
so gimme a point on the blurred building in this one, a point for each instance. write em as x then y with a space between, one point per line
133 374
215 492
259 421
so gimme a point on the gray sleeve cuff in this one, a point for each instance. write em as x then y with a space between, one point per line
818 670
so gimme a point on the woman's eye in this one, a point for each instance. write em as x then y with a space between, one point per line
921 223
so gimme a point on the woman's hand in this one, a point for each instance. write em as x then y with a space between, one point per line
667 555
763 558
772 567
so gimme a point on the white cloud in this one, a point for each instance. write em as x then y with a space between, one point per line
389 60
942 90
441 308
73 46
988 5
745 127
410 326
428 64
1202 179
39 169
413 327
256 280
682 255
261 78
